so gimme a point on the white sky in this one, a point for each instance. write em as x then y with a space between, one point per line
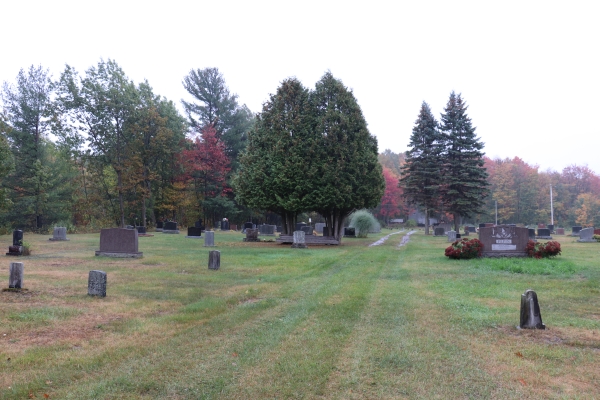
529 70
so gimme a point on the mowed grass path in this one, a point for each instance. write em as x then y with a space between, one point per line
341 322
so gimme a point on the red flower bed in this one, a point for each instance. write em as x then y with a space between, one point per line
464 249
542 250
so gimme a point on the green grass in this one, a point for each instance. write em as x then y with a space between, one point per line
343 322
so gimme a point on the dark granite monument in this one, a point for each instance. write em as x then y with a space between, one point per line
551 228
59 234
251 235
194 232
504 241
307 229
471 229
543 233
141 230
531 318
531 234
266 230
97 283
17 247
214 259
225 225
439 232
326 231
299 225
159 226
170 227
575 230
117 242
350 232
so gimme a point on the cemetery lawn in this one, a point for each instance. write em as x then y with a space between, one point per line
334 322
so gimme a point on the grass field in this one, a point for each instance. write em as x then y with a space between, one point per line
335 322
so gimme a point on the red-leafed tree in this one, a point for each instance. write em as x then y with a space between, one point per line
206 167
392 203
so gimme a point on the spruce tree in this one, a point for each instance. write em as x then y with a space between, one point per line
421 173
465 177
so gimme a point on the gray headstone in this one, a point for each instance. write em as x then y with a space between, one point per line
15 280
472 229
307 229
319 227
439 232
451 236
225 225
586 235
59 234
299 240
97 283
251 235
209 239
116 242
214 259
531 317
299 225
504 241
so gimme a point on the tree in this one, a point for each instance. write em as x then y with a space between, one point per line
277 169
391 204
347 174
422 172
6 162
216 106
465 178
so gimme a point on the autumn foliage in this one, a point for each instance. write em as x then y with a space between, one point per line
543 250
465 249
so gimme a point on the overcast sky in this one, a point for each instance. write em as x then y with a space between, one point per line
529 70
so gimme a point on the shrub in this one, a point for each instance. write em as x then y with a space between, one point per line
465 249
363 221
542 250
411 223
26 248
597 237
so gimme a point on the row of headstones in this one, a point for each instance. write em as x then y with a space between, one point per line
59 234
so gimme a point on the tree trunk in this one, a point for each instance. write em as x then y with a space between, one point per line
456 222
426 221
121 206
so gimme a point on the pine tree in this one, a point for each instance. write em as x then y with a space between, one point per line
422 172
465 183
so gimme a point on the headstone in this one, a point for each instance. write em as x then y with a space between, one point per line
560 231
59 234
451 236
458 235
194 232
15 280
541 226
299 240
307 229
248 225
117 242
531 234
299 225
214 259
141 230
543 233
439 232
233 227
472 229
349 232
586 235
224 225
97 283
267 230
326 231
319 227
551 228
198 224
129 227
159 226
575 230
504 241
482 225
251 235
170 227
531 318
489 225
209 239
279 228
17 247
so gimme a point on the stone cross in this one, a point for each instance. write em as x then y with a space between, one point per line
15 280
209 239
531 318
299 240
214 259
97 283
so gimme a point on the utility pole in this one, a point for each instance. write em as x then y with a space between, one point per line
551 207
496 211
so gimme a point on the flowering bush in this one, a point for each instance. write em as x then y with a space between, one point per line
597 237
542 250
464 249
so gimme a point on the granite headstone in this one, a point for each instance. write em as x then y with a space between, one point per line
97 283
15 279
299 240
117 242
531 317
59 234
209 239
504 241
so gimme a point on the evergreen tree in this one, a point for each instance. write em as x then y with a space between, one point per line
6 162
422 172
465 177
347 174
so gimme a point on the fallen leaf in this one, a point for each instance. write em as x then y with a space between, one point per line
48 382
46 396
519 354
523 382
31 396
235 354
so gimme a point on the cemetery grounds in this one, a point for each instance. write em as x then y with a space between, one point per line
331 322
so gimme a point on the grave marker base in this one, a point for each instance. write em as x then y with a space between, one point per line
119 255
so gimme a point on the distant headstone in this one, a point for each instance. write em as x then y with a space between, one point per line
248 225
266 230
451 236
194 232
279 228
59 234
170 227
129 227
504 241
488 225
141 230
560 231
326 231
214 259
97 283
15 280
541 226
319 227
233 227
586 235
159 226
299 225
543 233
350 232
17 247
551 228
299 240
531 317
209 239
458 235
224 225
251 235
117 242
482 225
439 232
307 229
531 234
575 230
471 229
